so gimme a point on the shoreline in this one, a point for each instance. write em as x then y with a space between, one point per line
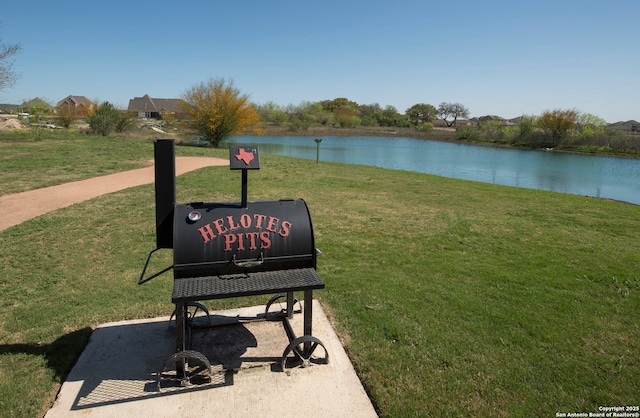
437 134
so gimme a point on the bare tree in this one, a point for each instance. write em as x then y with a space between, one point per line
452 110
7 75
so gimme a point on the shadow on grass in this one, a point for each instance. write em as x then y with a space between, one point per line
60 355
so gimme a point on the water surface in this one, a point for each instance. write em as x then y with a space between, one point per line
588 175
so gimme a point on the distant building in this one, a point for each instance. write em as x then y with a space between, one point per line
493 118
630 126
153 108
75 104
36 103
6 108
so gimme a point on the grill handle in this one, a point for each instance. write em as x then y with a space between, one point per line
248 263
142 279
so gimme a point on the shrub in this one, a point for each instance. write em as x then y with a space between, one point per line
526 125
66 117
124 122
104 119
558 123
465 133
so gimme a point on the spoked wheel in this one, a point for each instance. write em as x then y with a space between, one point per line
276 298
303 349
192 310
185 368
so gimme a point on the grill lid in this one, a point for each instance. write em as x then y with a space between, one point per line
228 238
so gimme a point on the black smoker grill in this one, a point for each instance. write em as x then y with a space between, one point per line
225 250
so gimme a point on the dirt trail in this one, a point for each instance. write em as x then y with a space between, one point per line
19 207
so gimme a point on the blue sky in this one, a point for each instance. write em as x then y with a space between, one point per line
495 57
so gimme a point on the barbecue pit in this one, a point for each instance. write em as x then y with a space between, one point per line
233 249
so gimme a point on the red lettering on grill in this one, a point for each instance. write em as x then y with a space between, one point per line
273 223
207 233
222 226
218 223
228 240
245 221
284 229
252 236
259 218
232 226
265 240
240 242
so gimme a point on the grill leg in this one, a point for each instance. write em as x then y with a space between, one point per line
308 316
290 302
181 335
303 347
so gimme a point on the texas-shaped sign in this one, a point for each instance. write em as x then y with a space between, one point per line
243 158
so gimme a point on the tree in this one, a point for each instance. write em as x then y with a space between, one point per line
217 110
391 117
421 113
526 125
340 102
315 113
345 111
104 119
125 120
347 117
66 116
7 75
370 114
272 113
558 123
452 110
589 125
37 108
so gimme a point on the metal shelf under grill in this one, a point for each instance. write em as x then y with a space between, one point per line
247 284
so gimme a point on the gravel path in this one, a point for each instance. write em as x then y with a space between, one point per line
19 207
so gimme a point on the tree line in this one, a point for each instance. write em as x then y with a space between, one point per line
566 129
216 109
344 113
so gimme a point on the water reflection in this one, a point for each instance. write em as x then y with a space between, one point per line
597 176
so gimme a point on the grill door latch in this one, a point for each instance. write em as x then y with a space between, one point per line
248 263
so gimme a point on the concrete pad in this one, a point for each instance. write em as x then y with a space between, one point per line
116 375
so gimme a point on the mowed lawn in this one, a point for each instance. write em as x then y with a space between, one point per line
452 298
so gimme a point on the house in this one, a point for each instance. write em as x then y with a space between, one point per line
630 126
147 107
6 108
493 118
36 105
74 105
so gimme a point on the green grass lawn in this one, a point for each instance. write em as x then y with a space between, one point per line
452 298
64 156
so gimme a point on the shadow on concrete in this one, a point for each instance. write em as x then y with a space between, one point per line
116 375
121 363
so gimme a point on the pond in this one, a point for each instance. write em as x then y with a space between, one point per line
587 175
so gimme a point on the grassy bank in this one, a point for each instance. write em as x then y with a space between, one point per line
452 298
61 156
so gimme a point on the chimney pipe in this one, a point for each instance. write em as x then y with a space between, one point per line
165 179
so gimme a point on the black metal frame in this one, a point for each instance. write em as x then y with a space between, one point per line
287 282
